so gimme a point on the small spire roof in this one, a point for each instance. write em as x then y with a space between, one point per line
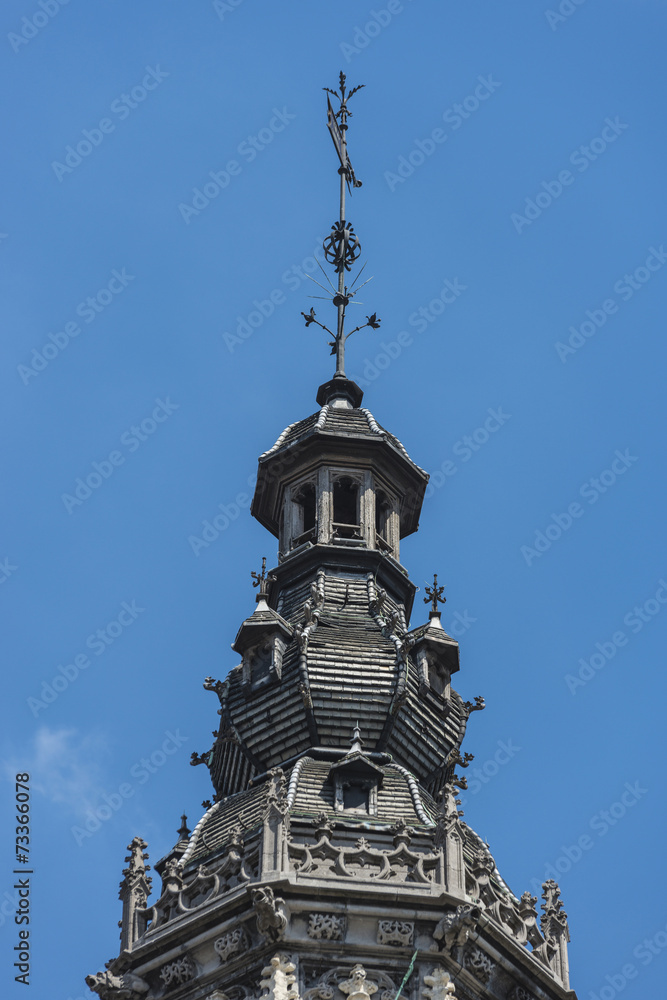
183 831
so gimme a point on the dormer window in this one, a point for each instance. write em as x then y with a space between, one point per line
356 781
356 796
433 674
346 508
438 679
260 659
264 662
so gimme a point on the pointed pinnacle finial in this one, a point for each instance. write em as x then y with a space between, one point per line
434 596
262 581
356 743
183 832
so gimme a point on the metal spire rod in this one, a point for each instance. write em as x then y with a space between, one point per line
341 247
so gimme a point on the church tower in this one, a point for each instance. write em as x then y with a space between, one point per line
333 861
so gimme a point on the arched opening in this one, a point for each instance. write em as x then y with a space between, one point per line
260 660
382 512
306 508
438 679
346 508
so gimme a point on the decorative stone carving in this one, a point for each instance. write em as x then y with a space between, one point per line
172 880
358 987
234 867
438 985
231 943
453 929
178 972
111 987
478 962
326 926
397 932
276 795
402 833
312 610
362 862
271 920
278 980
520 993
354 982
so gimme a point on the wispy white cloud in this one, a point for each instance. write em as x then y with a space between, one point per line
64 767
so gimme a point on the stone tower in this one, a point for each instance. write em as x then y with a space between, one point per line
333 862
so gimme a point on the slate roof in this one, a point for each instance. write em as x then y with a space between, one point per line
314 795
350 674
341 422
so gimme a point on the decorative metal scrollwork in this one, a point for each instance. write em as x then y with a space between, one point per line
341 247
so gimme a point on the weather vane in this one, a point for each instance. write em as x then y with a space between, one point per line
434 595
341 247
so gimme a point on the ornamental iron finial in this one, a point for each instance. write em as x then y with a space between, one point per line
434 595
262 581
183 831
341 247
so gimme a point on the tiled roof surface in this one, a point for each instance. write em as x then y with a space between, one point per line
342 422
350 675
314 795
244 810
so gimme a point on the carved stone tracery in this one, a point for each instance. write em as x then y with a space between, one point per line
395 932
478 962
326 926
180 971
520 993
232 943
324 859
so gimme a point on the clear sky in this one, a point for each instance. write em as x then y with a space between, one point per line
167 176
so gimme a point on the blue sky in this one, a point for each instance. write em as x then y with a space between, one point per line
513 216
